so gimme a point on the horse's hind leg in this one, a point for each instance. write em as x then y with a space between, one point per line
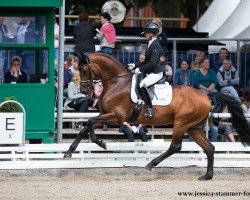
74 145
174 148
200 138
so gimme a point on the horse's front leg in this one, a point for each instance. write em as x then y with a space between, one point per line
74 145
101 119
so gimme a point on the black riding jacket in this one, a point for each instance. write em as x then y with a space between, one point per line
152 59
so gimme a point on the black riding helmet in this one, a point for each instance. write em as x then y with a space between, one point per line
151 28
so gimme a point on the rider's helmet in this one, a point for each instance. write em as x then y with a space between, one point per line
151 28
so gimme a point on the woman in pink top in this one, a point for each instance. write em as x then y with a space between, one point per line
106 34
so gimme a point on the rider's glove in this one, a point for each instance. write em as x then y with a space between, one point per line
131 66
135 129
137 71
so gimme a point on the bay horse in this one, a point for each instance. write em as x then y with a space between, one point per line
188 110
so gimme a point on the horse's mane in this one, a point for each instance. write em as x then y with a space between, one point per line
94 58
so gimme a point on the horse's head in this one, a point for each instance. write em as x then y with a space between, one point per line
101 66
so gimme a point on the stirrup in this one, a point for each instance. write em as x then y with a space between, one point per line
149 112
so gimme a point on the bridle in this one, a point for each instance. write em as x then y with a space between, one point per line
91 72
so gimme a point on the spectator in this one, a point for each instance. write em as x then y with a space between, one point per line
184 75
227 127
98 88
76 99
162 37
15 74
71 65
223 54
228 79
142 57
56 39
3 39
196 63
205 79
26 35
131 130
107 34
84 33
168 68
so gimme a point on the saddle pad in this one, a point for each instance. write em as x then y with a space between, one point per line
162 97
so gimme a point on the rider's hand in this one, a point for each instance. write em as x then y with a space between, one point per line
137 71
135 129
131 66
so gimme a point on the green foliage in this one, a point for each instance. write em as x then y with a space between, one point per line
9 107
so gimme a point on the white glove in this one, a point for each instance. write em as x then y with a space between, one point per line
137 71
135 129
131 66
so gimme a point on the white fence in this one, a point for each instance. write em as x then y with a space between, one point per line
137 154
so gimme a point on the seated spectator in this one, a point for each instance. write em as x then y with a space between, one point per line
195 64
227 127
183 75
98 88
142 57
76 99
168 69
68 65
205 79
223 54
15 74
228 79
131 130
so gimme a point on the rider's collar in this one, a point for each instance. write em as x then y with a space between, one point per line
151 41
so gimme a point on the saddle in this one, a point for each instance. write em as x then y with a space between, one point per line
159 93
150 89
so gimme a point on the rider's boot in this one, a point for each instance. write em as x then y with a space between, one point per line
149 108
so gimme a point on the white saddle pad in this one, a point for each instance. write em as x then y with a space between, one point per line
162 97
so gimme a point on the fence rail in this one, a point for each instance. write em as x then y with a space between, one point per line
137 154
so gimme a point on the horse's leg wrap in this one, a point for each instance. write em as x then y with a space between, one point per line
210 164
96 140
74 145
172 149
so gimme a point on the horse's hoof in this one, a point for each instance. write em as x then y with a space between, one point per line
205 177
67 155
103 145
148 167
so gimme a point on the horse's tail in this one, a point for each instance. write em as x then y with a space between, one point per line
238 120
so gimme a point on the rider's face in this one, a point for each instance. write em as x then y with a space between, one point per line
148 35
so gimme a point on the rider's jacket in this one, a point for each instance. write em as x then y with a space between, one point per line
152 59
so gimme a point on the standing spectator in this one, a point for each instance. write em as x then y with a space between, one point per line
75 98
107 34
56 39
184 75
223 54
228 79
162 37
131 130
167 67
3 39
205 79
195 64
84 33
26 35
142 57
15 74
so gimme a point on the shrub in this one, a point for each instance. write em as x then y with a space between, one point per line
9 107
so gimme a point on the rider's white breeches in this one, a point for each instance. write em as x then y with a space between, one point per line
151 79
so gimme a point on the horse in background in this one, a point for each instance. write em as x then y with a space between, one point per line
188 110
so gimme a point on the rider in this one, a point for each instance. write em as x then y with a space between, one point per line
150 67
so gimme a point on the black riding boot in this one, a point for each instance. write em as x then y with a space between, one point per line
149 108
